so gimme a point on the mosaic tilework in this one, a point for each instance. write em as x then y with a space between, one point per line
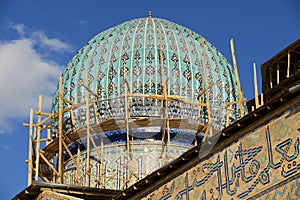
148 56
144 53
289 189
119 170
253 166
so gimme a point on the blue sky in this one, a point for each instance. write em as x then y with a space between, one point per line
38 38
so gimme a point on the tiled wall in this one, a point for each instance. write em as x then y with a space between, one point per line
264 163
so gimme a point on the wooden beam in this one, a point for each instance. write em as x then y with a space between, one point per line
87 122
277 72
200 93
34 133
30 161
94 144
60 132
48 163
44 178
255 87
271 81
43 121
164 101
78 151
127 125
240 95
102 149
199 117
289 64
38 143
42 113
78 166
234 102
89 90
168 127
48 136
65 100
69 152
42 140
262 99
228 113
207 103
26 124
152 96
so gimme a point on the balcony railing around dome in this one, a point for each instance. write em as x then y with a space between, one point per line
144 111
141 107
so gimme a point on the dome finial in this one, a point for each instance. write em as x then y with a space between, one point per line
149 13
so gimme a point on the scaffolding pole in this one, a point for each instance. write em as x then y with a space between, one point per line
30 161
88 135
60 144
255 86
206 81
240 95
38 142
289 64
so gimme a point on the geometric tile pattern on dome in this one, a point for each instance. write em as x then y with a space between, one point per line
132 52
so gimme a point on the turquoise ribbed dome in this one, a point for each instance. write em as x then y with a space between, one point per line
156 87
132 51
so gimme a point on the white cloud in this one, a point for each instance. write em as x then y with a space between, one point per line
24 74
52 43
20 28
39 38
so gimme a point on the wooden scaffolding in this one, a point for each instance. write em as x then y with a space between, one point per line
46 153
